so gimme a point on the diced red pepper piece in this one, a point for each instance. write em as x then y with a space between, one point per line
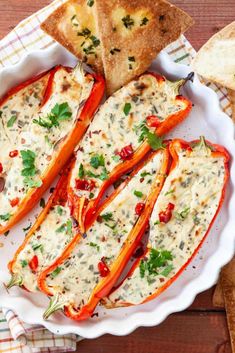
14 153
126 152
33 263
103 268
1 168
153 121
139 208
14 202
165 216
82 184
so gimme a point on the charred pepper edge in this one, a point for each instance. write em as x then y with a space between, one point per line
66 150
216 152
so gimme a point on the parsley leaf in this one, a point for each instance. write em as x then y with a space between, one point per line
5 217
65 227
37 246
97 161
31 183
28 160
94 245
107 216
56 272
11 121
153 140
183 214
59 210
128 21
138 194
127 108
156 260
24 263
60 112
81 171
144 21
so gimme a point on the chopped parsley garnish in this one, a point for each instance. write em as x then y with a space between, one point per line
48 140
102 176
5 217
24 263
89 50
90 3
11 121
27 228
183 214
128 22
42 203
144 174
169 192
116 158
196 220
95 41
127 108
157 222
28 160
115 50
157 261
153 140
138 194
56 272
131 58
97 161
29 182
60 112
37 247
81 172
59 210
107 216
91 195
144 21
94 245
65 227
84 33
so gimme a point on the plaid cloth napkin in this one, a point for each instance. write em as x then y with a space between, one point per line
16 336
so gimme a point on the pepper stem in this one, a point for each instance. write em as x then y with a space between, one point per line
54 306
15 280
176 85
78 73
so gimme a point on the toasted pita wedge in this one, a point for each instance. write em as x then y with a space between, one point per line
216 59
231 95
228 285
73 25
218 297
132 33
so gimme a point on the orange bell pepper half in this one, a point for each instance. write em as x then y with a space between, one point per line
108 244
87 191
195 187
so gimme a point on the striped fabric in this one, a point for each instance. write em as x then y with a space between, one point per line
16 336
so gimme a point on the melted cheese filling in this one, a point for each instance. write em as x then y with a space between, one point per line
112 129
40 140
47 243
195 188
79 274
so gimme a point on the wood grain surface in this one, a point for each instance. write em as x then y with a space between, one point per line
202 328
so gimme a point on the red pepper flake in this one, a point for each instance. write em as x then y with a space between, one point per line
33 263
1 168
165 216
82 184
103 268
126 152
153 121
139 208
14 202
14 153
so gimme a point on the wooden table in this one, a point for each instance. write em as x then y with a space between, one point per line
202 328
